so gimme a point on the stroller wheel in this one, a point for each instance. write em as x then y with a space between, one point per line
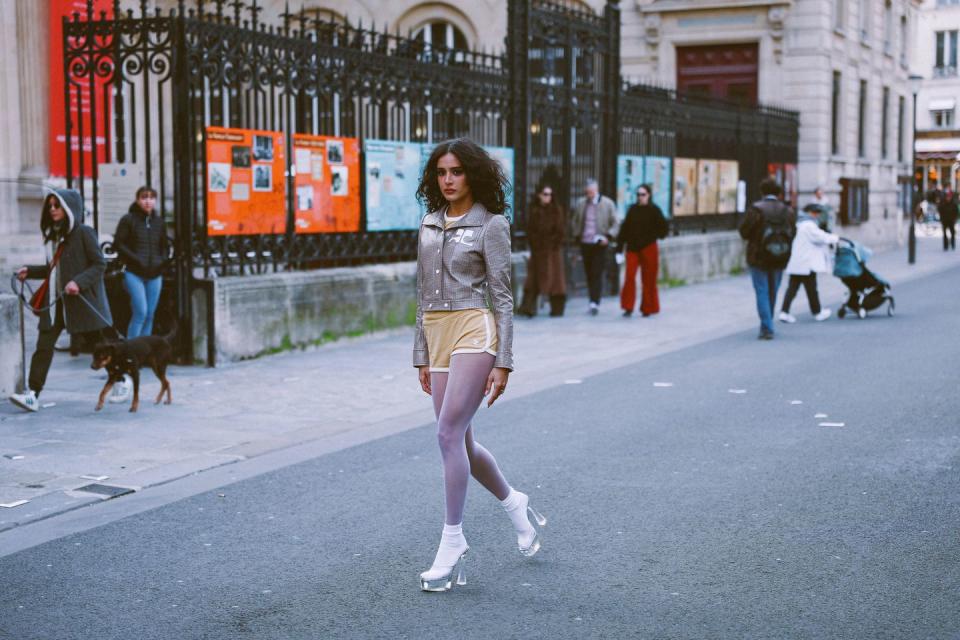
841 312
861 313
890 306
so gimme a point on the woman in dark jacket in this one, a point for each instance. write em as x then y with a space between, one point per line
141 241
546 228
638 236
76 298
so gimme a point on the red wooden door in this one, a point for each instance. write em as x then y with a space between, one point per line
725 71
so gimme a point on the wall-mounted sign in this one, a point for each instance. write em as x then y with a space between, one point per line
245 182
326 184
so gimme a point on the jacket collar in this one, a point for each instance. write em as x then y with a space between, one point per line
472 218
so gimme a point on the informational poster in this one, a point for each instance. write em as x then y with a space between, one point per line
326 184
786 175
392 177
629 177
729 177
503 155
684 186
82 89
246 185
708 186
117 186
657 174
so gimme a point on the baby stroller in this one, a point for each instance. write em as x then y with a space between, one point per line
867 291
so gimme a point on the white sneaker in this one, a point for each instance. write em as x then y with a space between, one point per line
823 315
786 317
121 391
27 400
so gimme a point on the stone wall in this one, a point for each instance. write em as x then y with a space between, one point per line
257 315
10 353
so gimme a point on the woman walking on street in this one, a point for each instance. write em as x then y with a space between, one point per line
462 350
638 236
546 230
141 240
75 299
809 255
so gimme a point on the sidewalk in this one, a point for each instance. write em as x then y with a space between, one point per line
341 394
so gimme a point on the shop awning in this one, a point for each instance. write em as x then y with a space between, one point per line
941 104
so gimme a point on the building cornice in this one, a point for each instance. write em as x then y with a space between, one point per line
685 6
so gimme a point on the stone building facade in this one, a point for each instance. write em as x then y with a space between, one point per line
938 134
843 64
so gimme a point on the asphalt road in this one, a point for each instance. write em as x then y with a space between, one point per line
712 508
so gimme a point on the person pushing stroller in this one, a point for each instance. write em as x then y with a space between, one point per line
810 254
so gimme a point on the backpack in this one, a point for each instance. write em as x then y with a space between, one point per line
775 241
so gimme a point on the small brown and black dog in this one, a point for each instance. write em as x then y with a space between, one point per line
126 357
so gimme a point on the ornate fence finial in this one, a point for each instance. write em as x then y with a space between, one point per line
143 8
181 8
237 7
255 15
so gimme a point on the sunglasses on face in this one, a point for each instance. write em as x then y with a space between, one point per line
54 204
546 193
643 194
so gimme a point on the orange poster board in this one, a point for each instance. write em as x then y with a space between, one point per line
245 182
326 184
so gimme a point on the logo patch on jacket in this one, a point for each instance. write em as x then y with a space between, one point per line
463 236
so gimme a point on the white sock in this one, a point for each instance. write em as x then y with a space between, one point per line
452 546
515 505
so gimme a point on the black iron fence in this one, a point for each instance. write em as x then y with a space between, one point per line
160 79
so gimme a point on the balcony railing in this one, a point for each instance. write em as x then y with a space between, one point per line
945 72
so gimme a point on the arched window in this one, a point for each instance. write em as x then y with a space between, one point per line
441 34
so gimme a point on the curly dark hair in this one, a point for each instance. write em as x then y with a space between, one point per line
488 183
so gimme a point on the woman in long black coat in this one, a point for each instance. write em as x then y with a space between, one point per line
75 267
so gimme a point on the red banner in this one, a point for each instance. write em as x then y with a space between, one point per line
80 96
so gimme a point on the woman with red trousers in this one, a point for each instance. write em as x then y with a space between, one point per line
638 236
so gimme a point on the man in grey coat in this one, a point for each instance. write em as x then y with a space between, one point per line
594 225
76 298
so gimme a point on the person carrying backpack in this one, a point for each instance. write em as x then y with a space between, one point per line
768 227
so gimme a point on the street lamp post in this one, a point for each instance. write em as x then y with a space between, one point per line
915 83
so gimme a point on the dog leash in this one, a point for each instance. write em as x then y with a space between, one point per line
25 302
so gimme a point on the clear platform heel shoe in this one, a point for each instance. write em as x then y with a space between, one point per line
534 545
441 578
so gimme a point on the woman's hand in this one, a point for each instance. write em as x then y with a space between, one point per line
497 382
71 289
22 274
424 373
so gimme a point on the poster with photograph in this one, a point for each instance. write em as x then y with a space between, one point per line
629 177
245 182
327 181
657 173
262 148
392 176
219 176
729 177
684 186
708 186
262 177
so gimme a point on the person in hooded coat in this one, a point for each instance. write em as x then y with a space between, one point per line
811 254
76 299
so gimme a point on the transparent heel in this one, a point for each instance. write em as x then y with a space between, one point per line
534 545
440 580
